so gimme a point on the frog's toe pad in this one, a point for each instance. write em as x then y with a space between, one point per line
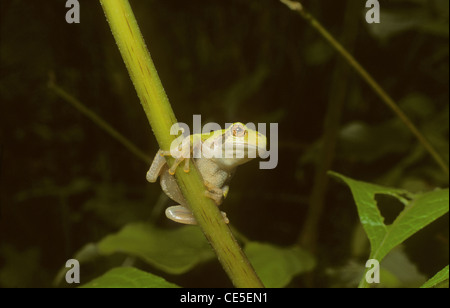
225 218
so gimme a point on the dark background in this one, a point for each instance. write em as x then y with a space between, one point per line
64 182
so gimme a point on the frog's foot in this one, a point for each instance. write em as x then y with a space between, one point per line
177 162
183 215
225 218
214 193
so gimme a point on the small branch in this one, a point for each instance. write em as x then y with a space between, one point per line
98 120
161 117
297 7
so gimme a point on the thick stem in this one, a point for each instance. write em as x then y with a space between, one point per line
161 117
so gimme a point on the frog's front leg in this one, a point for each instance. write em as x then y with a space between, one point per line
181 214
184 154
159 162
156 167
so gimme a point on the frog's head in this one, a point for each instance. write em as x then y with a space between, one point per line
239 145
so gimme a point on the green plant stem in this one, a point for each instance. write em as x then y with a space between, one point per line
161 117
99 121
298 7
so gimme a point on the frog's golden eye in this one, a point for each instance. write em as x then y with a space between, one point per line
239 131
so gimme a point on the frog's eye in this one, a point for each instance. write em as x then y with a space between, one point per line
239 131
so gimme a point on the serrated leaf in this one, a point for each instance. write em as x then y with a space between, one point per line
173 251
128 277
420 210
438 280
276 266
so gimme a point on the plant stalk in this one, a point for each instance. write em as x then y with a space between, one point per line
161 118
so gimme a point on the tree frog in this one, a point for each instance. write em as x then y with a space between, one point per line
221 152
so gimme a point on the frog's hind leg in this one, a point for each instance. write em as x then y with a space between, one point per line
214 193
183 215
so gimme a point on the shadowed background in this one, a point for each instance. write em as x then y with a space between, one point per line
64 182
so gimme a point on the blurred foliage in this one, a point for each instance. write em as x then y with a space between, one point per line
128 276
65 183
173 251
440 280
418 211
277 266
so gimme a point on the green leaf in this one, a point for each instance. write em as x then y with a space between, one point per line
438 280
420 210
173 251
276 266
128 277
